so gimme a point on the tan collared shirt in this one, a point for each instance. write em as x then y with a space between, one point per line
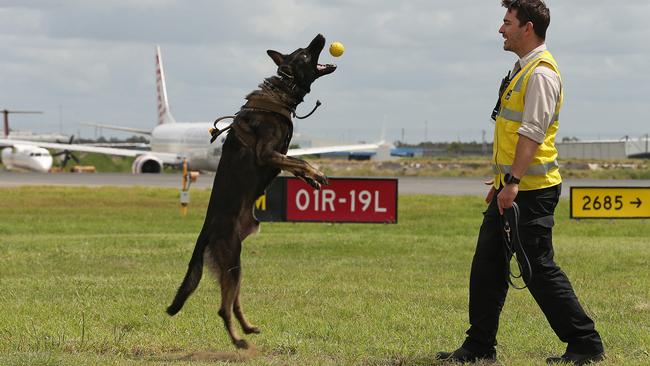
542 95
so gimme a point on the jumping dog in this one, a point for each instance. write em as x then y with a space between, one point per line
252 156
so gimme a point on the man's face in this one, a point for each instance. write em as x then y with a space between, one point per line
512 32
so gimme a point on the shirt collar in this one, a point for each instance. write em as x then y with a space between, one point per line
531 55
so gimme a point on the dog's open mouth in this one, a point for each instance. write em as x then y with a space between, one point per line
324 69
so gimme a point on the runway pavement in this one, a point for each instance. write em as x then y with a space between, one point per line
406 185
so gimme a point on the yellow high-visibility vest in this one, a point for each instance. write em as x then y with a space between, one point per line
543 170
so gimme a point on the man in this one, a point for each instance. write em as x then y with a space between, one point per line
526 172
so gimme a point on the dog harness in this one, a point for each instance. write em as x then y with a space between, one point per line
262 102
268 106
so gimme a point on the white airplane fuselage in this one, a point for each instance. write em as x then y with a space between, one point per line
191 140
27 157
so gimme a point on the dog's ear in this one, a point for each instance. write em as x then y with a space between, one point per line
276 56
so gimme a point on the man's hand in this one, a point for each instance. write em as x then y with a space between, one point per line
507 196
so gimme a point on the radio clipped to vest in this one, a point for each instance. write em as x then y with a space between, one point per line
502 89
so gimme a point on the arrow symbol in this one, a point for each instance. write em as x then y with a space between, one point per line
637 202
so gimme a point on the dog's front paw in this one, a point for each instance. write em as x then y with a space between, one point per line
309 180
313 183
322 179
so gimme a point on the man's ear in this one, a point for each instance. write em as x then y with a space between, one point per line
276 56
530 27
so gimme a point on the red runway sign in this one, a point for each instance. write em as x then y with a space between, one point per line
343 200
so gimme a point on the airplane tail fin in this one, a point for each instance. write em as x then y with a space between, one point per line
164 116
382 137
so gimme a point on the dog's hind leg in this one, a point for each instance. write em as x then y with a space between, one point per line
229 279
247 225
239 313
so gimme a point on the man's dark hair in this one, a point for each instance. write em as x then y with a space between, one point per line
534 11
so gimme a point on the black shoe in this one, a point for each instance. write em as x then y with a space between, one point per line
462 355
576 359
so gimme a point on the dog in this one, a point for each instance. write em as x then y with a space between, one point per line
253 154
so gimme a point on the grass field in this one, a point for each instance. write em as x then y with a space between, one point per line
86 273
445 166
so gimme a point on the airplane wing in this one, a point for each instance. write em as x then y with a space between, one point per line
332 149
119 128
166 158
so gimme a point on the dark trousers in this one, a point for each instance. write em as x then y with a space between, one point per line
549 286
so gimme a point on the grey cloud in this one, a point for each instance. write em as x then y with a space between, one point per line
405 62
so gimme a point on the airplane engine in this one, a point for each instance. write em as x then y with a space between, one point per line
6 158
147 164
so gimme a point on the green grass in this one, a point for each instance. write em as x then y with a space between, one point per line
104 163
86 273
443 166
480 166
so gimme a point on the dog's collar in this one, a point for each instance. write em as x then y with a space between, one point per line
286 85
287 80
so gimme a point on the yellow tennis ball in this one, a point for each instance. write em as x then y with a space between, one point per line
336 49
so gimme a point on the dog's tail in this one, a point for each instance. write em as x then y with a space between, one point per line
192 277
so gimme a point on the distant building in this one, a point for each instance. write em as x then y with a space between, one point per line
605 149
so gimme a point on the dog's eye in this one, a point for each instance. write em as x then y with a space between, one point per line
305 56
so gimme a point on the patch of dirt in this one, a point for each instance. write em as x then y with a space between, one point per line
642 307
236 356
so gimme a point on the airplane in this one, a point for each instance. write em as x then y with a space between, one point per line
27 157
173 142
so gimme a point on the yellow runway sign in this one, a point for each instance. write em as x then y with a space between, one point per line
610 202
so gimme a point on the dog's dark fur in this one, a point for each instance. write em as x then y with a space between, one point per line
253 154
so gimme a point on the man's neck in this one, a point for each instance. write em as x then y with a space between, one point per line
526 50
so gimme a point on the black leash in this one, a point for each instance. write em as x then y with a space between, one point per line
215 132
318 104
513 247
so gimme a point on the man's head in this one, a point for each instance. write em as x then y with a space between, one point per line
524 25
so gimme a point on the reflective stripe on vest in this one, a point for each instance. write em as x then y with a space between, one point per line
519 116
532 169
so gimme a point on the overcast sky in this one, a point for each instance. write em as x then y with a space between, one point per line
428 68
